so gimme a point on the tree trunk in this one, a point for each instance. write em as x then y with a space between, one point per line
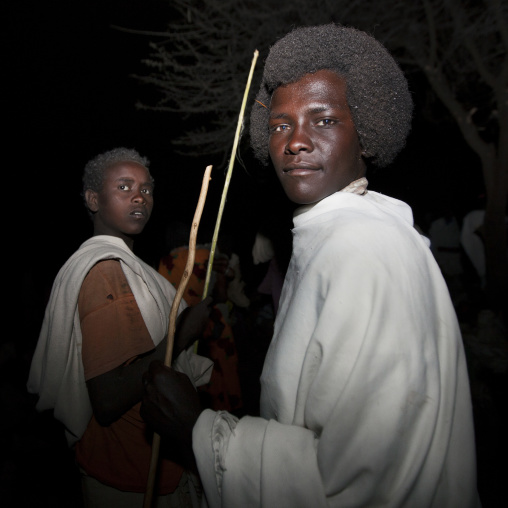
495 235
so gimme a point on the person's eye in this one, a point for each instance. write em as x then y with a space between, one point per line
124 186
279 128
326 122
147 191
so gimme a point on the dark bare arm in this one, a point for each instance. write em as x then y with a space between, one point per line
113 393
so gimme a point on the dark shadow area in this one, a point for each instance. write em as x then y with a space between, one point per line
73 97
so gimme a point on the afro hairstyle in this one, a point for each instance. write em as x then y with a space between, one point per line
376 89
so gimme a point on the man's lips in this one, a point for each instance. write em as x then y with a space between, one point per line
300 169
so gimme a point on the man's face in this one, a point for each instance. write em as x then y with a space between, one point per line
313 143
124 204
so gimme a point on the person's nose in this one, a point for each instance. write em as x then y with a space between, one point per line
299 140
139 196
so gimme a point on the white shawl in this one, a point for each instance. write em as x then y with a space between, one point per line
56 373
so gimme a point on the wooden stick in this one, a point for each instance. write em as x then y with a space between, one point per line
228 175
147 502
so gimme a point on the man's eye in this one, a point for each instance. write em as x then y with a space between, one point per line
326 122
124 186
147 191
279 128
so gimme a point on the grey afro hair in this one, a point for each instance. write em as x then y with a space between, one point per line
93 175
376 89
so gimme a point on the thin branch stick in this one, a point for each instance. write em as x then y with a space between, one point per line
154 461
147 502
228 175
188 267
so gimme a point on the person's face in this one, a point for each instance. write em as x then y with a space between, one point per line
124 204
313 143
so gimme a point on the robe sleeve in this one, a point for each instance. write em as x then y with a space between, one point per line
257 462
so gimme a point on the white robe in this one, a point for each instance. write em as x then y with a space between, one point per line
56 372
365 394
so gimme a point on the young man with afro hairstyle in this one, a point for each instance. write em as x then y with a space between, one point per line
364 392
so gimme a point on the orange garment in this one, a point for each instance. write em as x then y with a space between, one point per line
223 390
114 333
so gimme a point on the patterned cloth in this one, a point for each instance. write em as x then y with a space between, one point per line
223 391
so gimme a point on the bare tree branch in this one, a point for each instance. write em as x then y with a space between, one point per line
199 64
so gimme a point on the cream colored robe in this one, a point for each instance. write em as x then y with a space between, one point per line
56 373
365 394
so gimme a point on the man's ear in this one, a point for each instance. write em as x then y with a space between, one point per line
364 153
91 200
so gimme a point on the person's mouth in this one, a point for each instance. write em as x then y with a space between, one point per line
300 169
138 213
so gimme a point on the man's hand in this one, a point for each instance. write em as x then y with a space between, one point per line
191 325
171 407
170 403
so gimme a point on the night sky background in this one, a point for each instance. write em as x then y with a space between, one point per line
71 94
74 95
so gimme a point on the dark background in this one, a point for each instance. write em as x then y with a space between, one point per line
70 95
74 95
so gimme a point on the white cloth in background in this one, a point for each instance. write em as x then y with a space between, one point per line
262 250
365 394
236 286
56 373
444 235
472 243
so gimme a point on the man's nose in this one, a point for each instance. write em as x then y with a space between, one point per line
299 140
